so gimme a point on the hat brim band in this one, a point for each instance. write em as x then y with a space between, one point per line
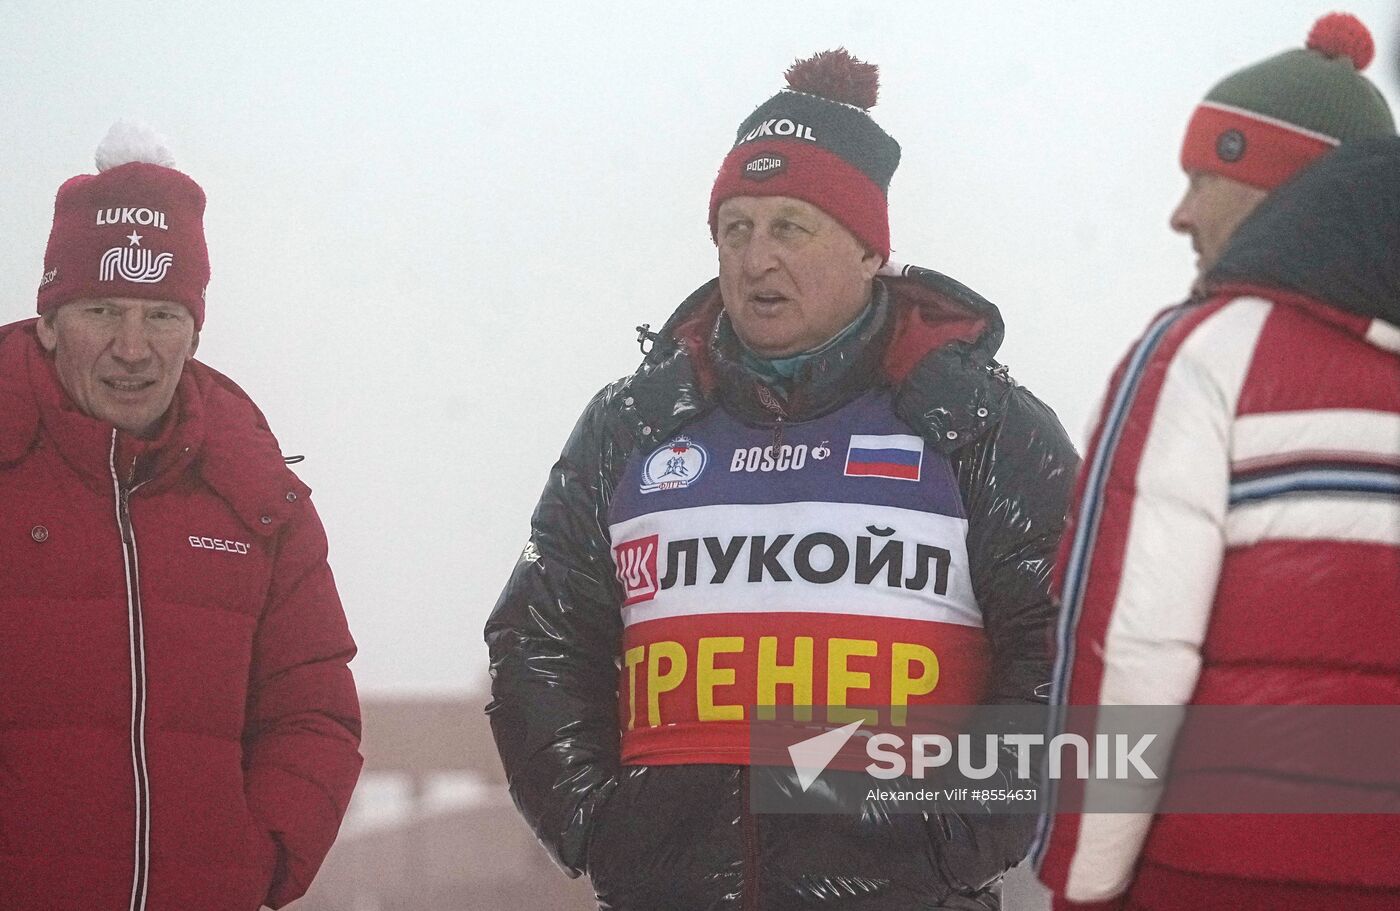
1257 151
801 170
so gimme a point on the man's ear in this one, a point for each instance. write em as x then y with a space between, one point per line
48 337
194 345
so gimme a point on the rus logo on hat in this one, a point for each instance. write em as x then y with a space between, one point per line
135 263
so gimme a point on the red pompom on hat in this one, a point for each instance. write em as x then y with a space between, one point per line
815 141
837 76
1343 35
133 229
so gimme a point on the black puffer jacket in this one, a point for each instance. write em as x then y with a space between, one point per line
680 837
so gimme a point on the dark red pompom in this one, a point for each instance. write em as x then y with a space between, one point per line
837 76
1342 35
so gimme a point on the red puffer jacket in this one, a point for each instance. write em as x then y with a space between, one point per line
178 725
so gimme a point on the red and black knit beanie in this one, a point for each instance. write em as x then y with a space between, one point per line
1263 124
815 141
133 229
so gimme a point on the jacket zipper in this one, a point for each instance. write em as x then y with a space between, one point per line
774 406
136 631
750 831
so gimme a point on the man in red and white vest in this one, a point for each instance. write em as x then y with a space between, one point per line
1235 538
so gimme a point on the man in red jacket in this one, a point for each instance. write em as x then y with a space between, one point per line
178 724
1235 535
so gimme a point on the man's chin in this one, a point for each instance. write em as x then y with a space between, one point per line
769 341
773 352
1199 279
137 423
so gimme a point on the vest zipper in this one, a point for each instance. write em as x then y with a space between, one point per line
137 636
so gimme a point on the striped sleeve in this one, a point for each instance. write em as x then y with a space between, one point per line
1139 563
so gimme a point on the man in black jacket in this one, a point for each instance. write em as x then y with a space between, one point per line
819 488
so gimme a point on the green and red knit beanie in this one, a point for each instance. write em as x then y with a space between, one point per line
815 141
1263 124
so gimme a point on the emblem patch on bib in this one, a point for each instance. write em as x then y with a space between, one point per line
676 465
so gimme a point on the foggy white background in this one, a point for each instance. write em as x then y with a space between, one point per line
433 226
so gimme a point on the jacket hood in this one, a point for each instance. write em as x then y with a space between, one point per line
1331 234
219 431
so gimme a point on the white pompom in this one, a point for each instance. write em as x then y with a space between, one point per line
129 141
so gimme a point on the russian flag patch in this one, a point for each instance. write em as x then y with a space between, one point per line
897 455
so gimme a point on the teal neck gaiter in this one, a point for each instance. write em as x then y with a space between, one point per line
779 373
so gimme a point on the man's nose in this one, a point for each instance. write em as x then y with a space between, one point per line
1182 219
761 254
132 345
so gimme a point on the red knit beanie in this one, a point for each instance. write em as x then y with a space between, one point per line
133 229
815 141
1263 124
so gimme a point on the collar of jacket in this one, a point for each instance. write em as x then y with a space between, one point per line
823 383
218 434
1329 235
936 345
